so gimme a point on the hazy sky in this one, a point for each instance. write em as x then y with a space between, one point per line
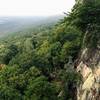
34 7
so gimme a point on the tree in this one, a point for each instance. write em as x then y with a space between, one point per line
9 53
9 93
41 89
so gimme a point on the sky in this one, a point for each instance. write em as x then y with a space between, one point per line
34 7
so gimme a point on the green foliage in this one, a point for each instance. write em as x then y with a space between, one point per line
47 51
9 93
29 85
71 80
84 14
91 39
48 48
41 89
8 53
24 60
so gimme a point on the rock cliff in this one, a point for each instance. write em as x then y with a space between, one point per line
89 66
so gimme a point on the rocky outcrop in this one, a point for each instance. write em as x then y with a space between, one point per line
89 67
90 87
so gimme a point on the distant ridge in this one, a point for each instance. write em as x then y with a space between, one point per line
13 24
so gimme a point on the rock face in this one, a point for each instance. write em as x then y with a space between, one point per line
89 67
89 58
90 87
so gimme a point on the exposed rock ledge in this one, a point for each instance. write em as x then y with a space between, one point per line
89 67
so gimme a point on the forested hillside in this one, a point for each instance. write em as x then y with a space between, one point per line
45 62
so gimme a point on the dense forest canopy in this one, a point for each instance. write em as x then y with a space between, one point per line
35 64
